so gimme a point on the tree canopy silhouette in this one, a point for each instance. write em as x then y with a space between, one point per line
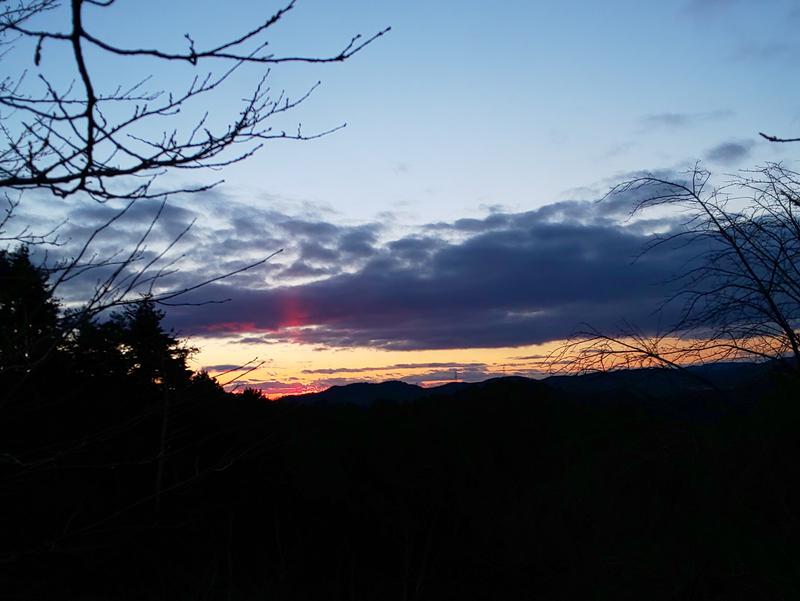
36 335
28 313
151 354
740 298
88 132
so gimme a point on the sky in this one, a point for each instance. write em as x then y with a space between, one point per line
452 229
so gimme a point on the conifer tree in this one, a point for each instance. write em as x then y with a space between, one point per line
152 355
29 325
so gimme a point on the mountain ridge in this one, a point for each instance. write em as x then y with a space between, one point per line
647 385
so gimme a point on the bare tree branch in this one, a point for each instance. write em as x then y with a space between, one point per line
777 139
61 140
741 297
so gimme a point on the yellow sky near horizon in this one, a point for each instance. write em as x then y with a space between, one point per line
287 368
297 368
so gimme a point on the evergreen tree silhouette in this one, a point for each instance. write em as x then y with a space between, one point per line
96 350
29 324
153 356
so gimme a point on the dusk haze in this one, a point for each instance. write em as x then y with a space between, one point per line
399 300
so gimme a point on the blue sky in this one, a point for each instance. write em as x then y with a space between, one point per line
478 137
470 104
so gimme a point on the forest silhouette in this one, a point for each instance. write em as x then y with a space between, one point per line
123 475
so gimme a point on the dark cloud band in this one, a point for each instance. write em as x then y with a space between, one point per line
510 279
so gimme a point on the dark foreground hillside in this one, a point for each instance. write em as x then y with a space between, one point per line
510 490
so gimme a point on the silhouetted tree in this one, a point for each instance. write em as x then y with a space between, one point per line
741 297
95 347
79 136
119 423
151 354
252 394
28 313
203 386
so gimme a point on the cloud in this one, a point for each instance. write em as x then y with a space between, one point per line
205 235
395 367
256 340
301 269
705 9
730 153
224 367
443 375
436 374
276 388
765 51
673 120
509 279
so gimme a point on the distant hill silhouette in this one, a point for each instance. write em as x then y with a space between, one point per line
662 382
691 392
362 394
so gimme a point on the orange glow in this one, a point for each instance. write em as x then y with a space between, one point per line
292 368
295 390
298 389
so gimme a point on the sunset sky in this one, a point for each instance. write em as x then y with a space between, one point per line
452 229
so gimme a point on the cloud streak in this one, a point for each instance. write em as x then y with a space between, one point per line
730 153
675 120
395 367
510 279
505 280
